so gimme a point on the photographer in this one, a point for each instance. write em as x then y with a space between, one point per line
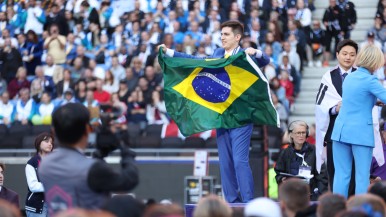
73 180
55 45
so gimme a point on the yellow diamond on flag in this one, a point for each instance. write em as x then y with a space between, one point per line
239 81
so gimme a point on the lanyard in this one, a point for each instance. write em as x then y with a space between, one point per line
304 163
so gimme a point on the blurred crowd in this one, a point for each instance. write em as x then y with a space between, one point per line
293 202
102 53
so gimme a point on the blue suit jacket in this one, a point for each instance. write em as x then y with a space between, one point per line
354 123
219 53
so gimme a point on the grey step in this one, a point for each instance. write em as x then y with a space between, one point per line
309 119
362 13
306 95
359 35
314 72
305 100
310 85
358 3
364 24
303 109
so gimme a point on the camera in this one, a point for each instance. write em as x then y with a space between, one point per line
108 139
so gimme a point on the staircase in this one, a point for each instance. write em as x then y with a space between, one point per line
304 106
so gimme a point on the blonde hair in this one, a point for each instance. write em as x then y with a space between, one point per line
19 70
212 206
370 57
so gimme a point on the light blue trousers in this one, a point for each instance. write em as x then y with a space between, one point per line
344 154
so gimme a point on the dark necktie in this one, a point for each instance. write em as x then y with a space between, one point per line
344 76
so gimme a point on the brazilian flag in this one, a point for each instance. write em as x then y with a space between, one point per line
203 94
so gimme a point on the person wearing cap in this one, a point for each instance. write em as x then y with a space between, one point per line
379 30
35 205
262 207
68 97
370 40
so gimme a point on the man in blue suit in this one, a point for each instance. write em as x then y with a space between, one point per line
233 144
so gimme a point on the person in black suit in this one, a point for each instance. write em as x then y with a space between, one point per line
91 15
64 84
56 17
6 193
346 54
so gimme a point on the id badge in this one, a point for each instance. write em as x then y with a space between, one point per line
305 171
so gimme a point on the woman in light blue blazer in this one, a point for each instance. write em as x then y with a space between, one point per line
353 133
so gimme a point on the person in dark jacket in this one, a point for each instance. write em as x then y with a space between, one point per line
35 205
349 17
11 59
58 18
5 193
33 54
73 180
299 160
332 20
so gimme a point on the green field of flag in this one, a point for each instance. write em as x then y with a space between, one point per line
204 94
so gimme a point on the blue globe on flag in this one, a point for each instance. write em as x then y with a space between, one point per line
213 85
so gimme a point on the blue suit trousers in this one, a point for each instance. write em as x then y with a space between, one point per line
236 174
343 155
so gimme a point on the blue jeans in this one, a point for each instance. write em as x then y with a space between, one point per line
43 214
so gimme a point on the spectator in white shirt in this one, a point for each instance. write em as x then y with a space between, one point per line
6 109
52 70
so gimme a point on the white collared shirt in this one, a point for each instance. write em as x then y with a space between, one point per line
342 71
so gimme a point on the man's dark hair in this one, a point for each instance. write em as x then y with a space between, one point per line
347 42
236 26
330 204
2 165
125 206
379 189
85 4
70 123
295 194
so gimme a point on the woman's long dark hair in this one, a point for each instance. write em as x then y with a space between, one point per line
40 138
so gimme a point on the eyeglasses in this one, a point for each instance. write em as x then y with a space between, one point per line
300 133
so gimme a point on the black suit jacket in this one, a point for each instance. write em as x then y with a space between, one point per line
10 196
59 87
